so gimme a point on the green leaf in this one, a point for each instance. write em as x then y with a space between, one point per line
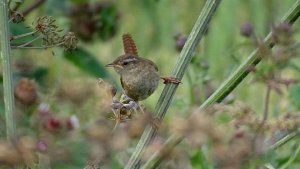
39 74
108 20
55 7
78 155
19 29
86 62
224 118
295 96
199 161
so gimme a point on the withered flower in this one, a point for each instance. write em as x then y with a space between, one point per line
26 91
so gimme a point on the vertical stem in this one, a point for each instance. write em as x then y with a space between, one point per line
7 73
191 88
266 106
264 119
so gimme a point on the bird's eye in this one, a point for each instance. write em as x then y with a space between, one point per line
128 61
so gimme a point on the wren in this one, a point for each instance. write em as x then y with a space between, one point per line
139 76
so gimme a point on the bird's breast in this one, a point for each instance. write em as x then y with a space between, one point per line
140 84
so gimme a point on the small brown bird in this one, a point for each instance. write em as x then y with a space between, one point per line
139 76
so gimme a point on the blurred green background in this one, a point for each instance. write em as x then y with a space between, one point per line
68 81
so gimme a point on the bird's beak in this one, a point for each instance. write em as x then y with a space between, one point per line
110 65
113 65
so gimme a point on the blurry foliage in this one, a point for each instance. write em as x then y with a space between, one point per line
295 96
86 62
94 20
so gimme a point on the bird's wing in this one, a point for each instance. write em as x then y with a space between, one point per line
122 82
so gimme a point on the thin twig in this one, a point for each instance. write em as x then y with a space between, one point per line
8 3
18 4
292 157
266 105
37 47
280 139
29 42
259 130
33 6
22 35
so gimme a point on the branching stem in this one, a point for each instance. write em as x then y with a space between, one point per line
37 47
22 35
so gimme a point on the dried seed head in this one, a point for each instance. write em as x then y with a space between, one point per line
26 91
137 125
72 122
9 155
44 109
70 41
42 146
180 41
101 131
48 28
53 124
129 45
26 147
282 33
17 17
285 27
246 29
23 65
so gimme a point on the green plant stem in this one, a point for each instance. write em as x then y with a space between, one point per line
29 42
191 87
7 73
230 84
33 6
280 139
292 158
182 63
37 47
22 35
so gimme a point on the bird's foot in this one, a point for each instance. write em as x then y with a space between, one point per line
125 99
168 80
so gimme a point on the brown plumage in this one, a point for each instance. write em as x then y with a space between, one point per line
139 76
129 45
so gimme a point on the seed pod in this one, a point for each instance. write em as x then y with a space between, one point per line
180 41
26 91
246 29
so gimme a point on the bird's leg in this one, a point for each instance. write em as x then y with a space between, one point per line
140 107
117 119
168 80
125 99
131 104
116 108
116 105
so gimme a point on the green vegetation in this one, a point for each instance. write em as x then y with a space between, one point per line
237 105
